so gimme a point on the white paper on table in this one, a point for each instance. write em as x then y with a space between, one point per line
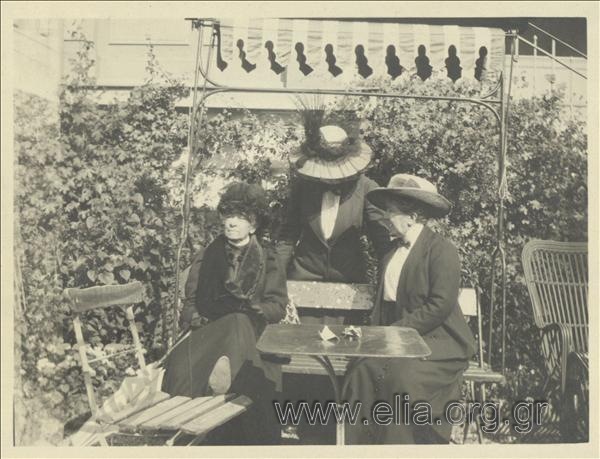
353 332
326 334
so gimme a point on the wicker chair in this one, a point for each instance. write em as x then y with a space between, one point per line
556 274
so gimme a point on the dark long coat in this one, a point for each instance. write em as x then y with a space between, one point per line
426 300
238 310
308 255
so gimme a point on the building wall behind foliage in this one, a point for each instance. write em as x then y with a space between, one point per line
38 56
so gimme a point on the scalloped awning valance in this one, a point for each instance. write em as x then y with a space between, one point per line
259 52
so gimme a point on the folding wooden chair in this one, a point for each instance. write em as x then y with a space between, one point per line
479 373
556 274
139 407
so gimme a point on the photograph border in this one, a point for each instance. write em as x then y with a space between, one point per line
15 10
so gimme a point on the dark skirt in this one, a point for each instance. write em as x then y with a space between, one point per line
389 380
189 365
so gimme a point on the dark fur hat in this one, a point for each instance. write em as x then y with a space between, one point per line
246 199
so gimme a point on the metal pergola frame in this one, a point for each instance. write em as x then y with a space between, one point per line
496 101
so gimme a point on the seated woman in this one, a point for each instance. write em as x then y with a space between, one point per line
418 288
239 289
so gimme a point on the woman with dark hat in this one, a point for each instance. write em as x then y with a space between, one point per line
418 288
327 214
239 288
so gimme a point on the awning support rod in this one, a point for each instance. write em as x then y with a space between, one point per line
543 51
572 48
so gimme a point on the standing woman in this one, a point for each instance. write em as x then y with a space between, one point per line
327 214
239 288
418 288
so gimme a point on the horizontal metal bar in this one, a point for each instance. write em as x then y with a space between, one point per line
336 92
551 56
557 39
487 103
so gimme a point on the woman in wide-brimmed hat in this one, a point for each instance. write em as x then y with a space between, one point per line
418 288
327 210
238 287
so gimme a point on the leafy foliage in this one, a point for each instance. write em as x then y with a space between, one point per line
92 200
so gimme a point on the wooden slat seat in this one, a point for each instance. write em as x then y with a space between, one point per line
477 373
216 417
199 416
182 417
303 364
172 419
131 423
129 411
190 416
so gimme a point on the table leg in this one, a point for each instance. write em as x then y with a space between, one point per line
339 391
326 363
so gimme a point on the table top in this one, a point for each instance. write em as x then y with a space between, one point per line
376 341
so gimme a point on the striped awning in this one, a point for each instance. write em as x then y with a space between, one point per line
259 52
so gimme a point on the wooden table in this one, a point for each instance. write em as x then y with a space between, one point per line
376 342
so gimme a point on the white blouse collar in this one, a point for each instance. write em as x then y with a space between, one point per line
413 233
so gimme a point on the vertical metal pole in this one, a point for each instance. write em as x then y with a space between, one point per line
535 39
503 192
185 207
499 219
553 66
571 87
192 137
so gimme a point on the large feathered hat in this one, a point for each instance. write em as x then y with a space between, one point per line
329 153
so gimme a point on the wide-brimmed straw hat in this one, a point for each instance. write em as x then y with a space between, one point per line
414 190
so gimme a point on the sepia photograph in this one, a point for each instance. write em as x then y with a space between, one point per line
257 229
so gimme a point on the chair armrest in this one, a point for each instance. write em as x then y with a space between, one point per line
580 359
